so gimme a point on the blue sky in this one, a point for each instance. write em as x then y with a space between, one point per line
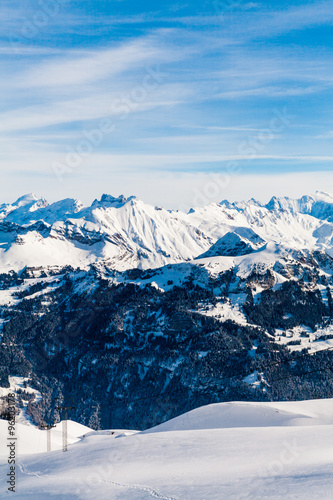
180 103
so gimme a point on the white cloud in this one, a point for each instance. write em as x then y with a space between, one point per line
327 135
272 91
127 98
267 23
92 66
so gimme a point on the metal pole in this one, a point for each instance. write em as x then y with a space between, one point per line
64 423
64 432
49 439
48 428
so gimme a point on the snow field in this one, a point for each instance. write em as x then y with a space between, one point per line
222 451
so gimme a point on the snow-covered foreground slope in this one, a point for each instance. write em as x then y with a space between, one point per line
223 451
124 233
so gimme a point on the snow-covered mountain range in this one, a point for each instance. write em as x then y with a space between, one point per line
122 300
124 233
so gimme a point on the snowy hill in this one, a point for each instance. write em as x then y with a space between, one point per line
231 415
126 233
235 450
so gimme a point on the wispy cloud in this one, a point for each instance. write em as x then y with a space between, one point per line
272 91
326 135
92 66
268 22
300 17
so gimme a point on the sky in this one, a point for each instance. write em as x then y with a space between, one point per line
179 103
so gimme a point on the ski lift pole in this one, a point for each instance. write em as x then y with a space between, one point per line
48 428
64 410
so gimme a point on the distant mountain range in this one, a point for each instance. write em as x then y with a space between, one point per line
125 233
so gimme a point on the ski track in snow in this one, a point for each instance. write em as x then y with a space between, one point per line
137 487
146 489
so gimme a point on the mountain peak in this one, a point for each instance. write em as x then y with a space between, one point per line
25 200
107 198
322 195
110 201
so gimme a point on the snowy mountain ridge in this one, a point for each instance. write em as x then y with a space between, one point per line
126 233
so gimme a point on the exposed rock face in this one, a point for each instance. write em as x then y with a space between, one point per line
241 241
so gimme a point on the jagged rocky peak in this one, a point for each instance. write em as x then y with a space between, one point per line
29 209
30 201
302 205
240 241
110 201
25 200
328 197
227 204
27 204
320 205
70 204
240 205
